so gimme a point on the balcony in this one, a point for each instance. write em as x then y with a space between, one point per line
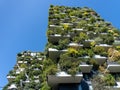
54 53
87 43
56 37
79 30
84 57
114 68
85 68
26 81
36 77
18 71
69 24
40 59
63 78
10 78
105 46
33 54
22 62
75 23
36 81
66 20
116 43
75 45
104 33
12 87
52 27
116 87
100 59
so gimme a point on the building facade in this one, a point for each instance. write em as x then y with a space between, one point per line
82 53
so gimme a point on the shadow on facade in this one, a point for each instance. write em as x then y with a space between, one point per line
80 86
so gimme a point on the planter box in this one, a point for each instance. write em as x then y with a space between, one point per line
63 78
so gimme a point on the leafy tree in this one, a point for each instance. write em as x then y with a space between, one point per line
72 52
113 54
98 49
81 38
98 83
45 86
109 80
69 64
63 44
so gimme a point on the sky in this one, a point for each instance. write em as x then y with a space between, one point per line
23 25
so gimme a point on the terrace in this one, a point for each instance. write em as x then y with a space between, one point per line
100 59
56 37
75 45
105 46
12 87
85 68
63 78
113 67
54 53
87 43
10 78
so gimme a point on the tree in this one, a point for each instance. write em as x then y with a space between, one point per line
81 38
72 52
98 49
109 80
45 86
98 83
69 64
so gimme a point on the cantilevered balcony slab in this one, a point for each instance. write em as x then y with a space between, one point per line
10 78
116 43
85 68
75 45
114 68
116 87
87 43
54 53
22 62
79 30
62 78
105 46
56 37
100 59
52 27
69 24
84 57
18 71
12 87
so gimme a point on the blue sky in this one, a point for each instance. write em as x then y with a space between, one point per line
23 25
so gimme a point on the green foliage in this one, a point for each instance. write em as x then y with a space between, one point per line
98 83
23 65
107 39
69 64
63 44
94 63
47 63
45 86
81 38
93 27
21 76
32 86
98 49
109 80
51 70
72 52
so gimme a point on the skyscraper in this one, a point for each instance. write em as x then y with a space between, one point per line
82 53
